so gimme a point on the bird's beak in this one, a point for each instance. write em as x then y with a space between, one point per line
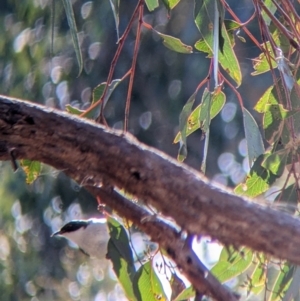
56 233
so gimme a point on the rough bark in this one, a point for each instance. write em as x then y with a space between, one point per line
170 240
92 153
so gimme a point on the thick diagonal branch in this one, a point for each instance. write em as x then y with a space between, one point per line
170 240
94 153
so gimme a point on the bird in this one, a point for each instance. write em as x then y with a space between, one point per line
91 236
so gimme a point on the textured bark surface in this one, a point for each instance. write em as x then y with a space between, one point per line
170 240
91 153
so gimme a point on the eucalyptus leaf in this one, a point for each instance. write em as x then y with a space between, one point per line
232 263
204 13
151 4
254 140
32 169
115 4
73 30
147 285
119 252
175 44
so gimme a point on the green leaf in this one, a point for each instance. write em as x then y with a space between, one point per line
73 110
254 140
221 10
275 162
151 4
204 16
147 285
281 283
267 98
183 117
115 4
204 117
32 169
271 7
273 121
193 122
97 94
218 102
258 277
231 25
175 44
232 263
291 288
275 114
73 29
98 91
261 64
119 252
170 4
188 293
258 181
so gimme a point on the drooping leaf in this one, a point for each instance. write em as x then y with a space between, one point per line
254 140
275 113
151 4
147 285
204 19
231 25
204 116
218 102
175 44
281 282
73 110
275 162
221 11
258 181
97 94
115 4
193 122
98 90
257 278
183 117
261 64
273 121
271 7
267 98
119 252
232 263
73 30
32 169
170 4
204 119
291 288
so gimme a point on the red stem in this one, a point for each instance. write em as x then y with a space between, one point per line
121 43
135 54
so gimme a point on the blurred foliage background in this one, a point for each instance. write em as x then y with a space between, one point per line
36 67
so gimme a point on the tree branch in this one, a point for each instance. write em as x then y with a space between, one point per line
170 240
91 152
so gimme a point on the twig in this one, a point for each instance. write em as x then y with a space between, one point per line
169 239
121 43
135 54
